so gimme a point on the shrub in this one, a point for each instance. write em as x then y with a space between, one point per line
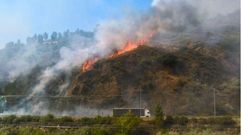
47 118
181 120
9 119
143 130
64 119
25 118
7 131
126 124
173 62
36 118
202 121
159 116
193 120
226 121
211 121
103 120
82 131
86 121
168 121
30 131
100 131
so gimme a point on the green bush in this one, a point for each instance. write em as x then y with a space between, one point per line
82 131
126 124
103 120
64 119
36 118
86 121
100 131
11 119
30 131
26 118
159 116
7 131
47 118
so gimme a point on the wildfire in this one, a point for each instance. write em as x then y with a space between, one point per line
89 63
129 46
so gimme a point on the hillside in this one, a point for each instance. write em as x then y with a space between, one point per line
181 80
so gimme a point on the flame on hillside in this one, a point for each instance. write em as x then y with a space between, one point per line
129 46
89 63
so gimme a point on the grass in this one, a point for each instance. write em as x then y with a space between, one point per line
108 131
200 132
125 125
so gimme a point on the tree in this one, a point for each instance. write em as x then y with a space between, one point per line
126 123
45 36
35 37
159 116
60 36
66 34
40 38
54 36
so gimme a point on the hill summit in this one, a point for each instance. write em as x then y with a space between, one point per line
182 80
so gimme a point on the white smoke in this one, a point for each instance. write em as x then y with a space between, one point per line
71 57
21 63
210 8
42 108
168 18
195 19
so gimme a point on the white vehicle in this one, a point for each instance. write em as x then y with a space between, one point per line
140 112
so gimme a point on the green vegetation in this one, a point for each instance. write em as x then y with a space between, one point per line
200 132
47 118
106 131
127 124
159 116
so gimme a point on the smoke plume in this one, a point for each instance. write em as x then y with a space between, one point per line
168 19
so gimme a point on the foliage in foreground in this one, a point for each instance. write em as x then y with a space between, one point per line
107 131
127 124
128 120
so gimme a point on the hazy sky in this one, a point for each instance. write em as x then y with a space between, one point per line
22 18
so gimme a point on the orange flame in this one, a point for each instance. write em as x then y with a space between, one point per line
129 46
89 63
